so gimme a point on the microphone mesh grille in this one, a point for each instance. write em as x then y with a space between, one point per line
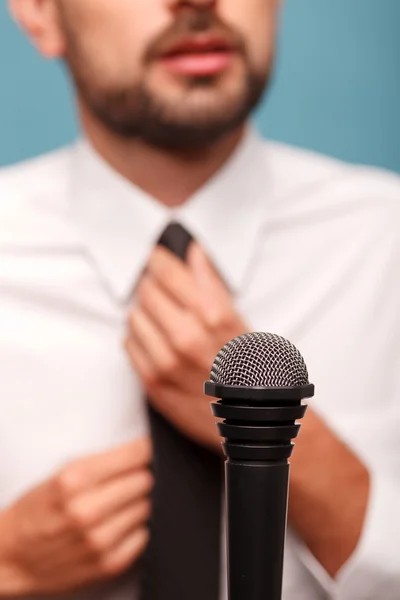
259 360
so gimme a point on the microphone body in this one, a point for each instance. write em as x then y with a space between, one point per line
258 426
256 518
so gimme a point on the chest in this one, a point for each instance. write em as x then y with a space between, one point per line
66 386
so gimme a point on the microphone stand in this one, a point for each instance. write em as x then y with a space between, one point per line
258 426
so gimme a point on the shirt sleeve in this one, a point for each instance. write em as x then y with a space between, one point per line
373 571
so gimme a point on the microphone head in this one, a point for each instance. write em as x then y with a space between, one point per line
259 360
260 381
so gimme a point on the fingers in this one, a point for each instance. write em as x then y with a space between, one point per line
142 363
175 278
152 355
61 540
98 563
183 329
100 503
160 306
217 308
126 553
194 285
95 470
185 316
154 344
114 530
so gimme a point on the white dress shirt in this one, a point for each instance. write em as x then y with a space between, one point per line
310 248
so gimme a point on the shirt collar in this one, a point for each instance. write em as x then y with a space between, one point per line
120 224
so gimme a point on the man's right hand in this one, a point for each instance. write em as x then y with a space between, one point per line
86 524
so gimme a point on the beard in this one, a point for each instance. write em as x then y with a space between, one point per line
197 114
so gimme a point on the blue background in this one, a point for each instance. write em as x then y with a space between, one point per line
336 90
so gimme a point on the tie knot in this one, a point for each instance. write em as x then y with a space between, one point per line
176 239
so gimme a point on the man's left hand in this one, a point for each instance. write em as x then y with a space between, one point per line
184 316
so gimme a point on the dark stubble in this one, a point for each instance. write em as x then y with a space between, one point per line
135 111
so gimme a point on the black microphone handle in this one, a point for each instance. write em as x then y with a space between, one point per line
256 521
258 425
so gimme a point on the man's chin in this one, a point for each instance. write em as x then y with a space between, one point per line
194 125
190 129
176 114
200 102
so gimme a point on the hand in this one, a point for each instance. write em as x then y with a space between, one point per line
86 524
185 315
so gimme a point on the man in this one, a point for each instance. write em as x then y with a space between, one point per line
284 241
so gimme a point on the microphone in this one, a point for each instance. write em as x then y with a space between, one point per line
260 381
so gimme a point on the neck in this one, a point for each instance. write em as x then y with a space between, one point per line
171 177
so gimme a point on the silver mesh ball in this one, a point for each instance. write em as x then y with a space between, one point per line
259 360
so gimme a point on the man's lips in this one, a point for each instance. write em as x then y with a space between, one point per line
200 57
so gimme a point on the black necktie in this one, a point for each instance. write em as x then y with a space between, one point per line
182 561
